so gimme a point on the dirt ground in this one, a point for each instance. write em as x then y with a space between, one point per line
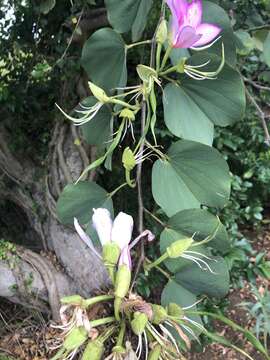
27 336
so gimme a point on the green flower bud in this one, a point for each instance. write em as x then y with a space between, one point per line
181 66
146 73
98 93
122 281
175 310
128 159
176 249
110 253
75 300
162 32
93 351
159 314
139 323
127 114
75 339
155 353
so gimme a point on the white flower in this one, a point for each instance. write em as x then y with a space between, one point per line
122 230
103 224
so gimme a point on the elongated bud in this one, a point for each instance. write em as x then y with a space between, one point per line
98 93
127 114
177 249
128 159
75 339
159 314
93 351
122 230
155 353
162 32
110 255
175 310
122 284
139 323
102 222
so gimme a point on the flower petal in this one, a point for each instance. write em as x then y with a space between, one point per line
208 33
194 13
125 258
102 222
178 9
186 38
122 230
85 238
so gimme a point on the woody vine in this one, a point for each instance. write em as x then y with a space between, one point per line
192 68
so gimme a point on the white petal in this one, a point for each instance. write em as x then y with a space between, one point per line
122 229
102 222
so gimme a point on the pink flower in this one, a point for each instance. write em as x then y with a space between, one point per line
125 258
187 27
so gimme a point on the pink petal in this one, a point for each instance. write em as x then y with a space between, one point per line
178 9
208 33
194 13
186 38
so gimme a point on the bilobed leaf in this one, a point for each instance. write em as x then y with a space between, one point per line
97 131
199 224
214 14
244 42
79 201
104 59
194 174
192 108
203 282
126 15
266 50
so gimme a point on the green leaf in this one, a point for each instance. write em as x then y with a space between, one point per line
203 282
104 59
214 14
194 174
244 42
266 50
191 109
97 131
177 294
79 201
199 224
126 15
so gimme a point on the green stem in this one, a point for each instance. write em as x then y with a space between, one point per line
158 55
168 71
147 126
98 299
138 44
155 218
157 262
121 334
117 189
131 183
104 321
124 104
166 57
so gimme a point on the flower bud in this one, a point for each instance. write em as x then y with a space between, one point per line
75 339
162 32
122 281
122 230
176 249
128 159
139 323
102 222
98 93
155 353
146 73
159 314
94 350
110 254
127 114
175 310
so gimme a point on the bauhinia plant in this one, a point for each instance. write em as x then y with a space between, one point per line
191 67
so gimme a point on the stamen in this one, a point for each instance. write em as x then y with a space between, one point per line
192 306
146 345
166 331
207 46
199 326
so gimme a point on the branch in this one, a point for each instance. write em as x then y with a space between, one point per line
255 84
261 115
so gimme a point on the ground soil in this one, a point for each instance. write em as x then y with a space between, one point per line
27 335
